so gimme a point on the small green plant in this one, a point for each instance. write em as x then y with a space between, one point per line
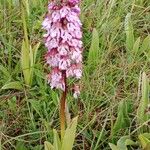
28 52
67 142
142 116
125 141
122 120
28 59
122 143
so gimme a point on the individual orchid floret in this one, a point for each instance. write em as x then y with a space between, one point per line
76 91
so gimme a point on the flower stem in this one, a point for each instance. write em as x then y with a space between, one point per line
62 106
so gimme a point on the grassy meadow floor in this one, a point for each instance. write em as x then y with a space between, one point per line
116 53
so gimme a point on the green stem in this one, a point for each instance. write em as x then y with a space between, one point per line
62 107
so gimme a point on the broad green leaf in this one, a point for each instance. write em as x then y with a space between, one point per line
122 117
129 32
113 147
26 48
31 55
141 115
35 49
136 46
57 143
25 63
48 146
13 85
146 44
121 144
130 142
93 56
69 137
144 141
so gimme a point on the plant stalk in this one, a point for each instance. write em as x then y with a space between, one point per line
62 106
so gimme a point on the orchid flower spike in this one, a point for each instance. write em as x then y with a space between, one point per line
63 41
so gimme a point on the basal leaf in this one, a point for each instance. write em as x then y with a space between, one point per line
57 143
141 115
35 49
113 147
69 137
146 44
121 144
129 142
13 85
136 46
129 32
25 63
48 146
31 55
93 56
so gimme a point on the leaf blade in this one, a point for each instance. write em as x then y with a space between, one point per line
69 136
13 85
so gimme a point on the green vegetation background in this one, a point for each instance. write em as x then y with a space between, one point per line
116 52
